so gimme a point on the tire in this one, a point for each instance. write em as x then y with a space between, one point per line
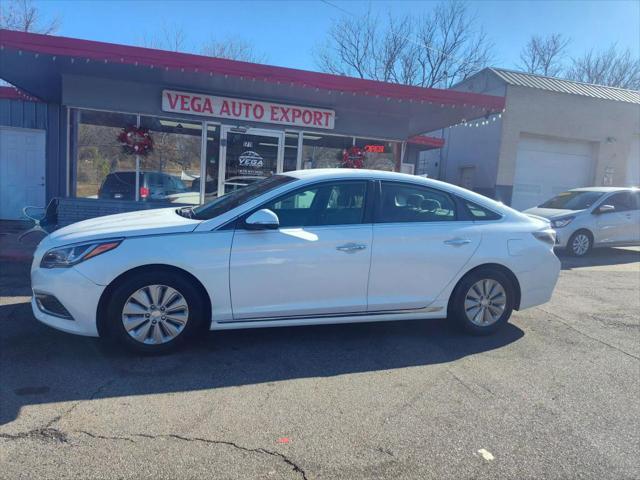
580 243
135 321
469 302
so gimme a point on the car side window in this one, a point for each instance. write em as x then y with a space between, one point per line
329 204
403 202
480 213
622 201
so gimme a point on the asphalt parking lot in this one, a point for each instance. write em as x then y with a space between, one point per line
554 395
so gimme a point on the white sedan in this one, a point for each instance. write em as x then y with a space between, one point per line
302 248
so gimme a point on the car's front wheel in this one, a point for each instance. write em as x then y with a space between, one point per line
580 243
155 311
483 301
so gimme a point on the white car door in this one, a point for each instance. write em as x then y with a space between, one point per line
316 263
621 224
419 245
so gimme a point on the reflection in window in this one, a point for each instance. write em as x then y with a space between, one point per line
171 169
99 156
323 151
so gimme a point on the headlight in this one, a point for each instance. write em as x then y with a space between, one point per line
64 257
547 236
562 222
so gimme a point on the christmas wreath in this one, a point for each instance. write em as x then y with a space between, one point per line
353 158
135 140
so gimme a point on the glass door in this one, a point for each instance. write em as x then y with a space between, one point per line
248 154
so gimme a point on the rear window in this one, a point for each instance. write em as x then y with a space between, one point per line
119 180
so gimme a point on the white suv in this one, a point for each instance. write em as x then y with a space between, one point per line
593 217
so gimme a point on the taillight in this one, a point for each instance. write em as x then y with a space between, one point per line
144 192
547 236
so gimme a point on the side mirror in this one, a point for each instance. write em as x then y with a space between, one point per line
605 209
263 219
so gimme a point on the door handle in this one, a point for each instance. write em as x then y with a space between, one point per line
457 242
351 247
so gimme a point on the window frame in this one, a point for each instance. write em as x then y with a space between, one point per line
367 216
453 198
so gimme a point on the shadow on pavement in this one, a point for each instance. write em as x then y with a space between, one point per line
39 365
600 257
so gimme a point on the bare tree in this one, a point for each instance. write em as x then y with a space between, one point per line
174 37
170 37
607 67
437 50
544 55
232 48
24 16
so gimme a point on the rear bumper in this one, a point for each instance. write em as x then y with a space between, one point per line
537 284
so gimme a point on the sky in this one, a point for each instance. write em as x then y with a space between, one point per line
287 33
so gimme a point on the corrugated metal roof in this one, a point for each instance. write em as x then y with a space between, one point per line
553 84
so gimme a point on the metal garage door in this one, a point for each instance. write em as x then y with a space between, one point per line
546 167
633 164
22 170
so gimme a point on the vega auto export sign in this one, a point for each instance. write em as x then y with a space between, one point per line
248 110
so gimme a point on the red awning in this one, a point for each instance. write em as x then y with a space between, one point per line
432 142
12 93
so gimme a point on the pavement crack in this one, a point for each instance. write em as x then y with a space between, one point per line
466 385
104 437
564 322
296 468
57 418
128 438
43 434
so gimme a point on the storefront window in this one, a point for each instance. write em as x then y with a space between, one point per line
102 168
290 151
169 172
378 154
323 151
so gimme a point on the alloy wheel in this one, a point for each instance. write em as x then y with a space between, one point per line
155 314
580 244
485 302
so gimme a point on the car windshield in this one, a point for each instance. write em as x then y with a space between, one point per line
238 197
575 200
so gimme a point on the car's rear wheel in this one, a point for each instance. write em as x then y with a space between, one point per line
483 301
155 311
580 243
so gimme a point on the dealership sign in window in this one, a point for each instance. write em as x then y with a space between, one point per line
249 110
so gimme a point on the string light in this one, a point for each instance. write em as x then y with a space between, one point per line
489 118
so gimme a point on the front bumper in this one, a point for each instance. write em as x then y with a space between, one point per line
562 238
76 293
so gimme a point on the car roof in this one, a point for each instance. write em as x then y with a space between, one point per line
602 189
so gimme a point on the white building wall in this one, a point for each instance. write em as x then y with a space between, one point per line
610 125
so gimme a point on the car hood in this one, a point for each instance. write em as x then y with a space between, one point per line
549 213
144 222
